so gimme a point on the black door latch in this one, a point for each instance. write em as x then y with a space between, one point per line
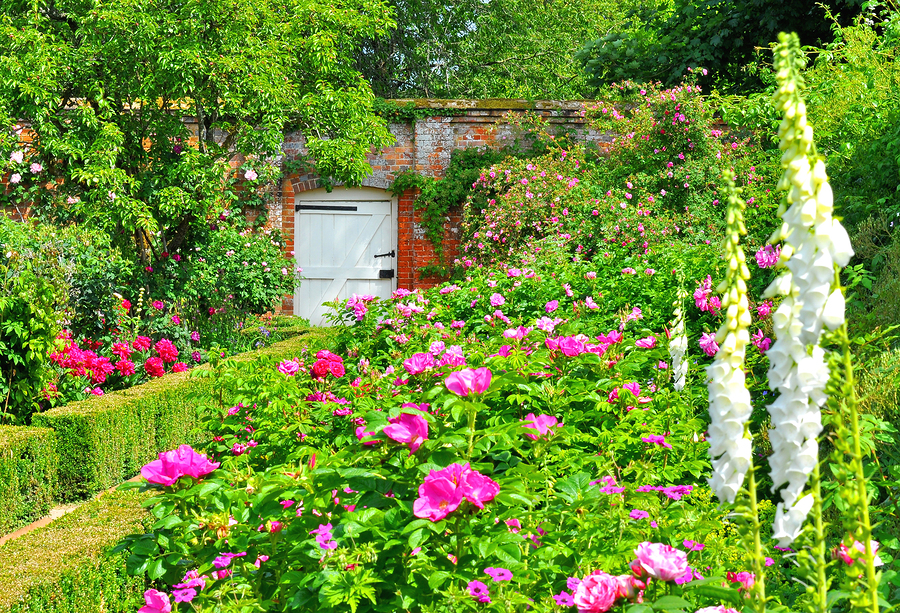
392 254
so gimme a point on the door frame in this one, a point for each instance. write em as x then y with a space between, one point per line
347 194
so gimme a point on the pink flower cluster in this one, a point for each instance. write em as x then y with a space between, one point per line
324 537
768 256
635 388
761 341
571 346
708 344
83 363
702 297
358 303
444 490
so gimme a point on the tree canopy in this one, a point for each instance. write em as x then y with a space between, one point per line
487 49
661 40
102 90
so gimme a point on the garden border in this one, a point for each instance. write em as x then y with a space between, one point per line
94 444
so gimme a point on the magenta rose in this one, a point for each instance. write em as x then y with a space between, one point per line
544 425
125 367
172 465
321 369
156 602
467 381
409 429
662 562
570 347
438 497
289 367
596 593
155 367
166 350
444 490
477 488
418 363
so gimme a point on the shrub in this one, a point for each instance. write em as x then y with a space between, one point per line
27 329
656 186
66 565
27 475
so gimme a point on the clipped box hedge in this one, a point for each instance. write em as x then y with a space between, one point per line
104 440
27 475
66 567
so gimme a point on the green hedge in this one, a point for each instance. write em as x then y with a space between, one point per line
27 475
106 439
65 567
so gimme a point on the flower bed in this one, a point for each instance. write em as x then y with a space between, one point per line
538 437
451 465
105 439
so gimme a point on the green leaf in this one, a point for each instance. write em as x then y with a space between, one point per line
437 579
156 568
715 591
671 603
834 597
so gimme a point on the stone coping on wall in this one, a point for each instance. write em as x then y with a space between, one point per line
505 104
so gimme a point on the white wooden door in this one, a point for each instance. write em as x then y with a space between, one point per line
337 236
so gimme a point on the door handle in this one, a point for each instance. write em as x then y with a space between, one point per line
392 254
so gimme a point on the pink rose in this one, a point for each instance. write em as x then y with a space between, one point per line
362 434
497 300
407 428
155 367
544 424
551 306
662 562
708 344
478 488
166 350
289 367
464 382
570 347
172 465
444 490
646 343
156 602
418 363
596 593
438 497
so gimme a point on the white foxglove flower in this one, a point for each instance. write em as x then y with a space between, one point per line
730 447
678 344
788 523
814 242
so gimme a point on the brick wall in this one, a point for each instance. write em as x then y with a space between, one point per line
425 145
